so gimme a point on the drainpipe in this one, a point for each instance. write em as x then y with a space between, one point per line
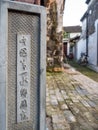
87 34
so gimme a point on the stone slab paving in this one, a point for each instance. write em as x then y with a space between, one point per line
72 102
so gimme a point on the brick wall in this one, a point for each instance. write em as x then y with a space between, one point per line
30 1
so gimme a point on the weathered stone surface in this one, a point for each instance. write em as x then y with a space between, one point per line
54 102
64 107
85 103
77 107
69 116
11 23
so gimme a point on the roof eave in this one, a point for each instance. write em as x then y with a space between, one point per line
84 16
87 1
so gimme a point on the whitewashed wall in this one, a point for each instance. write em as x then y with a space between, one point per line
72 35
81 48
68 48
81 44
83 34
92 46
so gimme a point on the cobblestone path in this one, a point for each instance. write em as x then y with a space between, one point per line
72 102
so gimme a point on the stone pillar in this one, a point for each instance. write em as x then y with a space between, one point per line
22 66
3 66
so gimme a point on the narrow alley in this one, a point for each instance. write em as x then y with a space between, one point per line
72 101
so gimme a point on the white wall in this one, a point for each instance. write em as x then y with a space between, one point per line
68 48
81 44
92 46
72 35
83 34
81 48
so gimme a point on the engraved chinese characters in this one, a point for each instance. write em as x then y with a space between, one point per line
23 77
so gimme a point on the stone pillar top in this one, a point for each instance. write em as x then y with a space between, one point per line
30 1
27 1
3 0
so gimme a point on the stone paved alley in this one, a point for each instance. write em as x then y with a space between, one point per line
72 101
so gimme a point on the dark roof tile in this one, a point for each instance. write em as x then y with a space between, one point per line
87 1
72 29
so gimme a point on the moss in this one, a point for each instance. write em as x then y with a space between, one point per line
84 70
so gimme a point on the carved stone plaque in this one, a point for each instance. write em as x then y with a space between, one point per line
23 77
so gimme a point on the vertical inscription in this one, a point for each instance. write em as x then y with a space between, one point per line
23 77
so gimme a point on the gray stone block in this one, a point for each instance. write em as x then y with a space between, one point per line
8 66
69 116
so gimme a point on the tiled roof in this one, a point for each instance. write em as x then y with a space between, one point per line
74 39
72 29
